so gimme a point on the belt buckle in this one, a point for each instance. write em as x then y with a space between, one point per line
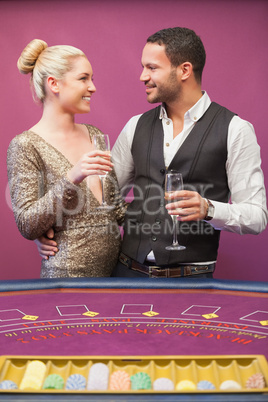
151 268
125 260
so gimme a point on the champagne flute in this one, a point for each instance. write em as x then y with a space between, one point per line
102 142
173 182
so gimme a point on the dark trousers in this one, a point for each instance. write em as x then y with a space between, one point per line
122 271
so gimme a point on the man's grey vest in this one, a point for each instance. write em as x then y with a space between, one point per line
201 159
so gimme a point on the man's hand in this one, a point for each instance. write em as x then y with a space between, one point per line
45 245
188 206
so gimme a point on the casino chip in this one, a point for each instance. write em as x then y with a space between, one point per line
31 382
256 381
76 382
141 380
98 377
163 384
230 384
185 385
34 376
205 385
54 381
8 384
120 380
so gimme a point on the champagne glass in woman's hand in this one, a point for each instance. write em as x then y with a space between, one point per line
173 182
102 142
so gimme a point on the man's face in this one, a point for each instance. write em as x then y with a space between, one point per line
159 76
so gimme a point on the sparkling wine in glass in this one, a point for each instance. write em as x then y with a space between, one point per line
102 142
173 182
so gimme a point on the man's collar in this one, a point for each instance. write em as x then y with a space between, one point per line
196 111
163 112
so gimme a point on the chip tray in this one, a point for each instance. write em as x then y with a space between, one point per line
178 369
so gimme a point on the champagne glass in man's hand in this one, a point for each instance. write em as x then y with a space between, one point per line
173 182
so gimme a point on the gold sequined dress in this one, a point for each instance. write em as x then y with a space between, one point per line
42 197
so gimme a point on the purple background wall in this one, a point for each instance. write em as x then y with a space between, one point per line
112 34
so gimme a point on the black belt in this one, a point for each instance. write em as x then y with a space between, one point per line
155 271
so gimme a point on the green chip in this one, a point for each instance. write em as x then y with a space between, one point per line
141 380
54 381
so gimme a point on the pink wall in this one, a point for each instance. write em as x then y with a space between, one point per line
112 34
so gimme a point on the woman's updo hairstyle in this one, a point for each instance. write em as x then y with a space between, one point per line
43 61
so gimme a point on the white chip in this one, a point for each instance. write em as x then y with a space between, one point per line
163 384
230 384
98 377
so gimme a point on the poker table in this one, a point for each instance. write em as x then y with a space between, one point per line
128 317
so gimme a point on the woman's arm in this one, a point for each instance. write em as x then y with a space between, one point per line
35 211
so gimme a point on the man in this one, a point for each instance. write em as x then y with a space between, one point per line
216 152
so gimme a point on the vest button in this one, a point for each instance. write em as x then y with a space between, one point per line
154 238
162 171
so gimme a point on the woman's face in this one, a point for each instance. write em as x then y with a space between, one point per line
76 88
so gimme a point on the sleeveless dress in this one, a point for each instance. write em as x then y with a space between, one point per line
42 197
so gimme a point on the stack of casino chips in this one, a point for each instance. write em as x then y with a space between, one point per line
163 384
141 380
230 385
76 382
54 381
119 381
185 385
98 377
205 385
34 376
8 384
256 381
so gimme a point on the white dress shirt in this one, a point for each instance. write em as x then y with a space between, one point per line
247 212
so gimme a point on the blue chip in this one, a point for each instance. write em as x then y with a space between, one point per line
76 382
8 384
202 385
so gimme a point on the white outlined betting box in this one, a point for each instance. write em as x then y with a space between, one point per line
72 309
11 315
136 308
198 310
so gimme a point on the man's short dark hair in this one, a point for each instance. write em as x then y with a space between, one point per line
181 45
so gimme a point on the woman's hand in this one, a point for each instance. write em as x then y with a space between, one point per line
92 163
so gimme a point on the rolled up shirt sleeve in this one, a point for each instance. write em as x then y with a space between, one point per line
247 211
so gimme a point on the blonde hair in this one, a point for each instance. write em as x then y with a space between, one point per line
43 61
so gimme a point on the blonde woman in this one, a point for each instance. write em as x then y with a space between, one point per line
53 168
